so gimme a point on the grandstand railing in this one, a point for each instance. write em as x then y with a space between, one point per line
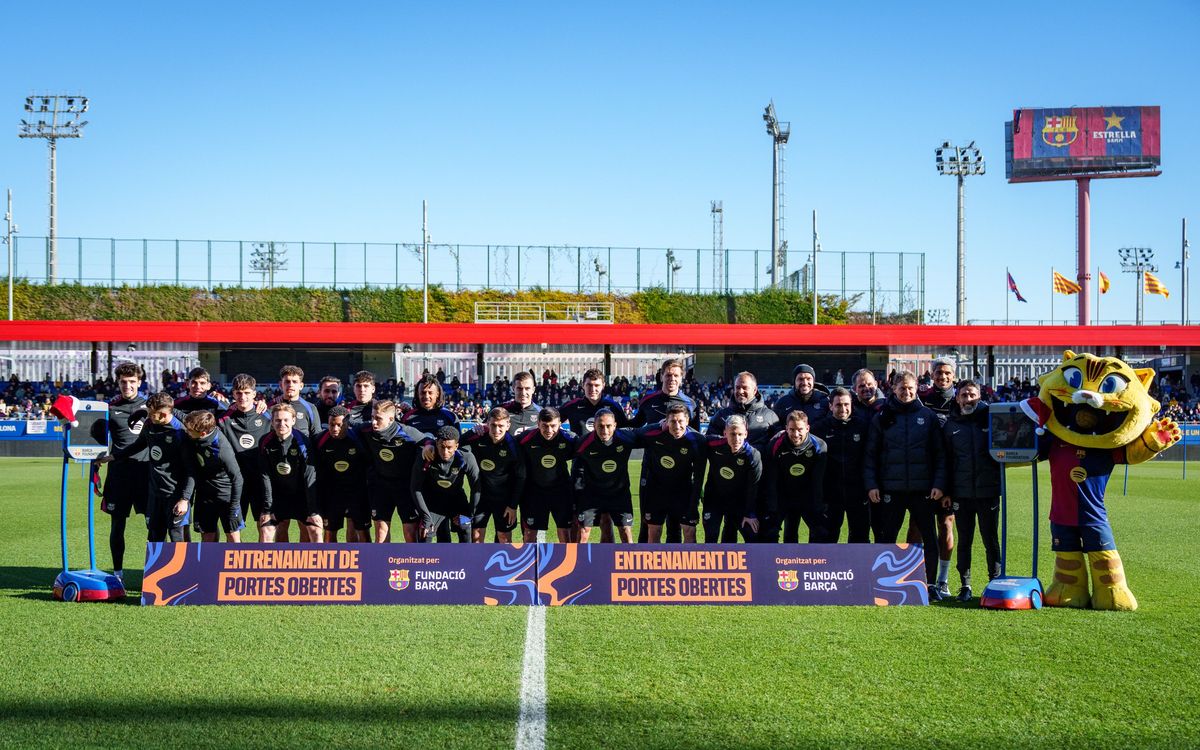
544 312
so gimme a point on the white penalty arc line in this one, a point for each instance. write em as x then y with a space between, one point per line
531 719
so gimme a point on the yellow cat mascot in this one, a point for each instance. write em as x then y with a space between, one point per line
1098 413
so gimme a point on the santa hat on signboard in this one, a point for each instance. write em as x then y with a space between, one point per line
1038 411
64 408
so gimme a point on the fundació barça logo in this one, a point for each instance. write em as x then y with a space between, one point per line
789 580
399 580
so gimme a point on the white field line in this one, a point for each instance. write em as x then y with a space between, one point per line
531 721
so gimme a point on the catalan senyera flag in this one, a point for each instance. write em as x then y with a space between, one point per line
1104 283
1063 285
1154 286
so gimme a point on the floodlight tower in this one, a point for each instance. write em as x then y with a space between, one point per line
779 132
1137 260
63 112
959 161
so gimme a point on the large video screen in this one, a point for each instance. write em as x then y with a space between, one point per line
1074 141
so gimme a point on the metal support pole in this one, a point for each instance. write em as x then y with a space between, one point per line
518 268
209 287
578 270
697 271
1183 283
639 270
610 273
302 254
424 258
1083 190
8 240
241 260
177 261
488 265
335 265
872 264
112 262
365 284
815 249
961 314
52 248
79 258
548 256
145 262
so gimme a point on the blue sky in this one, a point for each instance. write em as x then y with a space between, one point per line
557 124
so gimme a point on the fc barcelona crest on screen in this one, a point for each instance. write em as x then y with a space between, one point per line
1060 130
398 580
789 580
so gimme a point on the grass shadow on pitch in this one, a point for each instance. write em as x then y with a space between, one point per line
420 720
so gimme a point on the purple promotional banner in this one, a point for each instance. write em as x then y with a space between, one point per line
862 574
546 574
182 573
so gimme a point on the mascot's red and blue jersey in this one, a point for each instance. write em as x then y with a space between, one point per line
1078 477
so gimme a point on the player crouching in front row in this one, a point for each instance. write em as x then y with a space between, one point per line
289 480
437 489
217 480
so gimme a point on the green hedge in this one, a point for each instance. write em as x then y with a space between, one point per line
656 305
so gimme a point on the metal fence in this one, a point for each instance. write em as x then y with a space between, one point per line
879 282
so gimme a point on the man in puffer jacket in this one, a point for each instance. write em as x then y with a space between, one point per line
905 469
974 482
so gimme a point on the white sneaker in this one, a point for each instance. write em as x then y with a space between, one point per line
943 589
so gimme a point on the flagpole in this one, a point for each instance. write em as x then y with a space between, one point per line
1007 293
1099 293
1051 295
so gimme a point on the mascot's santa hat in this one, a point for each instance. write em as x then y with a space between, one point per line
64 408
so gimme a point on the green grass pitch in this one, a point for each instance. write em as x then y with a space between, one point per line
950 675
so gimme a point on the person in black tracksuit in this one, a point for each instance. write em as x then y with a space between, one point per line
429 413
845 433
974 478
125 480
794 478
362 406
168 481
905 469
522 412
652 409
341 462
501 476
217 479
437 487
601 475
548 487
762 424
199 396
804 396
579 415
393 447
291 382
731 490
673 462
289 480
245 427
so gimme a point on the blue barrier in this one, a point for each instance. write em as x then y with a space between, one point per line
33 429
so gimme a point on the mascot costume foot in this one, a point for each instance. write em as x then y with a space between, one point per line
1099 413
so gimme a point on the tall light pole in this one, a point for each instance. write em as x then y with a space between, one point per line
425 258
779 132
1136 260
10 230
960 161
1182 265
63 112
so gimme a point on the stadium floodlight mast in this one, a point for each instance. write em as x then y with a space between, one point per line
779 132
58 118
959 161
1137 260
